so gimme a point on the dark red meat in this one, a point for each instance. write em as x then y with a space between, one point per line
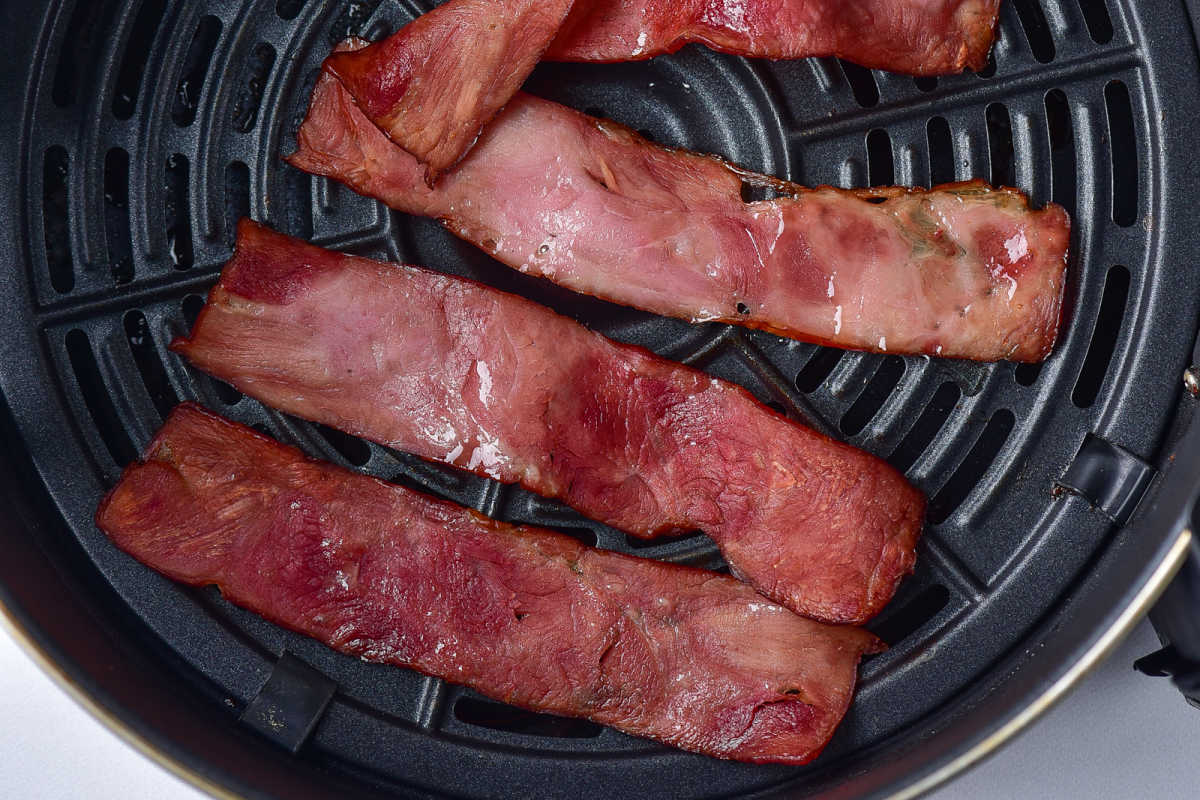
920 37
962 271
433 85
526 616
461 373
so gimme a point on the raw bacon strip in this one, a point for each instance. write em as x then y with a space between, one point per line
433 85
533 618
919 37
490 382
961 271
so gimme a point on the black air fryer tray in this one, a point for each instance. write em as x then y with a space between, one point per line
138 132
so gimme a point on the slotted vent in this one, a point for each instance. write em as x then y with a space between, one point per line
250 92
98 399
116 215
56 213
195 70
149 363
137 51
179 216
486 714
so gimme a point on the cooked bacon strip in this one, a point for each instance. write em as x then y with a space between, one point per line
919 37
490 382
527 616
434 84
961 271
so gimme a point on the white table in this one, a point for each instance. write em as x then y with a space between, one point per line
1120 735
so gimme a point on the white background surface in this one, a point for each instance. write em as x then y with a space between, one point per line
1120 735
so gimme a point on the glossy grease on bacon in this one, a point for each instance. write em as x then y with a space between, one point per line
962 271
527 616
919 37
436 82
457 372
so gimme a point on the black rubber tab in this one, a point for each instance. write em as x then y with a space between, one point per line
1168 662
1109 477
290 703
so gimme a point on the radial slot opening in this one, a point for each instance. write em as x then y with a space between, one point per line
585 536
1097 19
288 9
350 21
925 83
639 543
178 213
989 69
145 355
941 151
97 399
818 368
1105 334
923 431
192 305
298 194
880 167
1037 31
1000 145
250 92
353 449
486 714
1062 150
116 215
1027 374
862 84
237 198
195 69
873 396
133 62
56 214
87 28
1123 146
898 625
757 192
972 469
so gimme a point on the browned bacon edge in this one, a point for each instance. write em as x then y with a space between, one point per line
523 615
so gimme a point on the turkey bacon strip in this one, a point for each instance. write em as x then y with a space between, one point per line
527 616
461 373
963 270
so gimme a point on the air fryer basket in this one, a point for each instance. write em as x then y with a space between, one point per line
139 132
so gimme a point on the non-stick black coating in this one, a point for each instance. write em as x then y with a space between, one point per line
128 161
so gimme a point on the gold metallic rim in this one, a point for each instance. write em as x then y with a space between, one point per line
106 717
1108 641
1103 646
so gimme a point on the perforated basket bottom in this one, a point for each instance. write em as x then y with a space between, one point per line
152 127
